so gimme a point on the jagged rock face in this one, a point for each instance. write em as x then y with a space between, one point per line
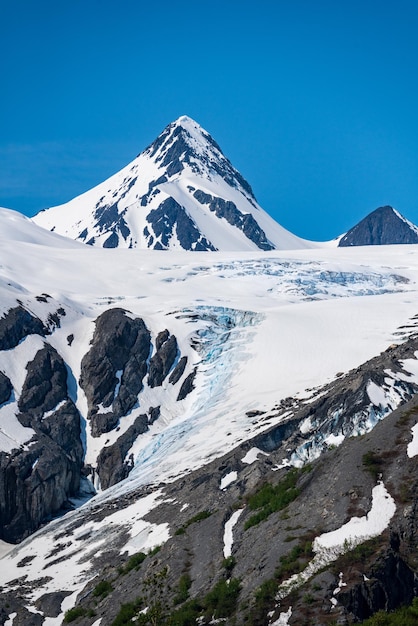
163 360
111 464
37 480
6 388
113 374
171 219
382 226
229 211
45 384
17 324
35 484
119 352
392 584
350 409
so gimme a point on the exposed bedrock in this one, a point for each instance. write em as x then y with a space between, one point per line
17 324
5 388
34 484
37 480
163 360
391 583
112 466
113 370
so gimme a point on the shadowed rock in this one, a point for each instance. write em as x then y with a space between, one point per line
36 481
112 466
17 324
5 388
113 370
163 360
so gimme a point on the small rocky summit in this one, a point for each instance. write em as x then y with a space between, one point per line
381 227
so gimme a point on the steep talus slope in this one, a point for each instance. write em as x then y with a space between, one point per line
180 193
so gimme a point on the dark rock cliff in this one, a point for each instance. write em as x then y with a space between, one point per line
36 480
118 357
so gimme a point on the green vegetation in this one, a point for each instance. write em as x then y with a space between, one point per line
373 464
72 614
184 585
295 561
358 554
220 602
405 616
102 589
196 518
127 612
229 564
133 563
291 563
272 498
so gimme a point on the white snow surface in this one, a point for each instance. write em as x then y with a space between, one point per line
412 449
252 456
270 325
228 532
283 619
228 479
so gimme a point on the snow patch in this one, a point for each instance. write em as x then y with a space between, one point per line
228 538
412 449
252 455
228 479
283 619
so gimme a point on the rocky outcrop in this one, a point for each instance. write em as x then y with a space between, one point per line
171 219
230 212
178 371
347 406
17 324
45 385
37 480
163 360
5 388
34 484
112 372
112 466
390 583
187 386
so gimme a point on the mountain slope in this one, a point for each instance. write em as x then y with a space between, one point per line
381 227
171 395
179 193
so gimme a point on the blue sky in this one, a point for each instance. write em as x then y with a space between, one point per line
315 102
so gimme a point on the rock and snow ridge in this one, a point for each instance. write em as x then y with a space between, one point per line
180 193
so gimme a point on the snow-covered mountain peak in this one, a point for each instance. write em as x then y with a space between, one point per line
181 192
184 144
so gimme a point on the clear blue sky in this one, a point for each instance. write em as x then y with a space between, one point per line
314 101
